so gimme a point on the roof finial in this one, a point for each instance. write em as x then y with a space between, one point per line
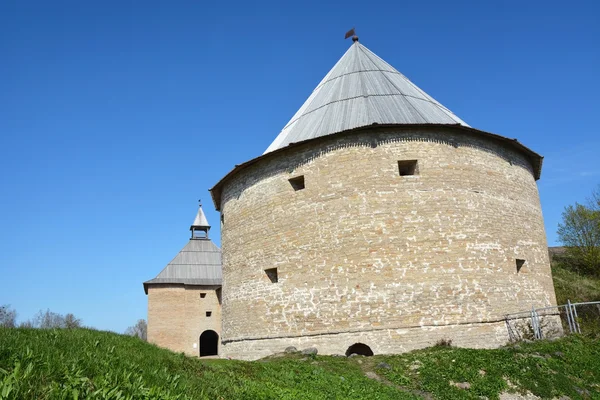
352 33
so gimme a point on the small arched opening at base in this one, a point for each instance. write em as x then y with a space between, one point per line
360 349
209 343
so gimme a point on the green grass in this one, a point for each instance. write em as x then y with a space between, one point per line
81 363
569 285
569 366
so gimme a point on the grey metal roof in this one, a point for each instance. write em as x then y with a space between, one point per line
361 90
198 263
200 221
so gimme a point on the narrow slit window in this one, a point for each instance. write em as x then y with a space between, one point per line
208 313
272 274
297 182
408 167
222 218
520 264
202 295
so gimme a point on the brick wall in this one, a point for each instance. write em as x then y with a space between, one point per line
177 316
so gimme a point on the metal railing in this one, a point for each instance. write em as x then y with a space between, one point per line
548 322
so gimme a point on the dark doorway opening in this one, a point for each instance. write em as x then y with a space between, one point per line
359 348
209 343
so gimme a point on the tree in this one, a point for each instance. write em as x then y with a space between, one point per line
140 329
8 317
48 320
26 324
72 322
579 232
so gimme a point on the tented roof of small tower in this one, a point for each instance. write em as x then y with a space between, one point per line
198 263
200 221
362 90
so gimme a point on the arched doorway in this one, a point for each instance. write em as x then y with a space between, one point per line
359 348
209 343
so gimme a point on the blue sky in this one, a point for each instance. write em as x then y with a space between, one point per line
117 116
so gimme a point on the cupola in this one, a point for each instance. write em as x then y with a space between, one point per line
200 226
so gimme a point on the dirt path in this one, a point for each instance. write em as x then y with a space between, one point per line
368 367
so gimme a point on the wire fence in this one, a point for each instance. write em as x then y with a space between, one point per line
555 321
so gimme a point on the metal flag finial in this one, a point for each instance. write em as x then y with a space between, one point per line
352 33
199 202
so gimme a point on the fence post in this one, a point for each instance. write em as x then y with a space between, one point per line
575 319
571 319
535 323
539 325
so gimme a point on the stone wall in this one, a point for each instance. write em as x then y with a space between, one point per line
362 249
385 341
395 341
177 316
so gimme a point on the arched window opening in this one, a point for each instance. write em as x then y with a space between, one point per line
209 343
360 349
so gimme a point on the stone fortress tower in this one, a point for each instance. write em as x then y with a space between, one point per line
184 300
376 222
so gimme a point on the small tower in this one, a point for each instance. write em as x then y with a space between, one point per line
200 225
184 299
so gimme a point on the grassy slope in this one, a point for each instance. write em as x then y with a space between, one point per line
572 286
39 364
569 285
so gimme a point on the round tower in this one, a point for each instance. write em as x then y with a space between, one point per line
379 220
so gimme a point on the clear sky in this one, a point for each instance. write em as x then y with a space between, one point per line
117 116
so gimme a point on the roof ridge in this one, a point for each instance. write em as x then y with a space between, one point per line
398 89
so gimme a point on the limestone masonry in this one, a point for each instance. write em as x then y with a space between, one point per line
389 223
177 316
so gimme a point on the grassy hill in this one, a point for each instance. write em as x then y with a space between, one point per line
569 285
80 363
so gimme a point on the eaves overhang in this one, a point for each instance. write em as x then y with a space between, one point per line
184 282
535 158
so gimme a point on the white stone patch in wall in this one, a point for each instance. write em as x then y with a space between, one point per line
526 243
460 265
484 247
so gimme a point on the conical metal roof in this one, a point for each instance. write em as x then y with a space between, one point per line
361 90
200 221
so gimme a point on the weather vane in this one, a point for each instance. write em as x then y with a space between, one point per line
352 33
199 202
